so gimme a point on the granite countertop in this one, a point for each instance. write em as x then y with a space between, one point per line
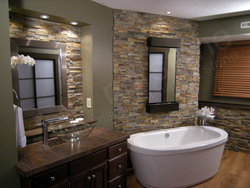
38 157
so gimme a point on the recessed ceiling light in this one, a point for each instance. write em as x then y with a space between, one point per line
74 23
43 16
168 12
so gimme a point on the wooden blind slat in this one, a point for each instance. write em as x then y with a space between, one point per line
232 74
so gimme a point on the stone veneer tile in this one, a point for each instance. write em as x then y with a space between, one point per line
237 124
130 65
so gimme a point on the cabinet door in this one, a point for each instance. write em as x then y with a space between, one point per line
99 176
82 180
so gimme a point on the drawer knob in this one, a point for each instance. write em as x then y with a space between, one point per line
119 186
119 166
93 176
89 178
119 149
52 178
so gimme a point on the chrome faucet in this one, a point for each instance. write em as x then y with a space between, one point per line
45 124
203 122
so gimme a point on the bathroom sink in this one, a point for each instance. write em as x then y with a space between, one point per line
73 133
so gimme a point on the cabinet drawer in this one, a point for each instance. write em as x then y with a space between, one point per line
119 182
117 166
87 162
50 178
116 150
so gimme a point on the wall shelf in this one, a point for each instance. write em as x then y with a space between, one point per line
162 107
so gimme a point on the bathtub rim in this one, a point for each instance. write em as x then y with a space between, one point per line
222 139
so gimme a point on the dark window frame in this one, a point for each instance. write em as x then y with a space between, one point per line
154 50
45 45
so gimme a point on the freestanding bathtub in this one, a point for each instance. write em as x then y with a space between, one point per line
176 157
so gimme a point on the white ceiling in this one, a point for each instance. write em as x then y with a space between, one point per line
189 9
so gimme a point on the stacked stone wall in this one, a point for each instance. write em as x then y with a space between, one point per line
236 122
130 58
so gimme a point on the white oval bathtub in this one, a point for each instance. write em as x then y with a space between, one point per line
176 157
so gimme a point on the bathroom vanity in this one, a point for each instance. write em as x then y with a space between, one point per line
98 161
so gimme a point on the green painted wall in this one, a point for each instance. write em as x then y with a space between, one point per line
87 72
207 71
8 153
222 27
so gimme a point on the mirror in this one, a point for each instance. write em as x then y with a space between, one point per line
43 88
161 75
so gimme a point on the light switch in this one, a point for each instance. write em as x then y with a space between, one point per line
88 102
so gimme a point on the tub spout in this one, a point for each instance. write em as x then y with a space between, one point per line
203 122
203 119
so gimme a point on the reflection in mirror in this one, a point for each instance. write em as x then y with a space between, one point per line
162 63
169 78
155 77
42 88
161 75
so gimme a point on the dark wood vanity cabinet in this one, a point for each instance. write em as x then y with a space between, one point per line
105 168
99 161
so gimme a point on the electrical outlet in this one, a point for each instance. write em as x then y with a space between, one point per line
88 102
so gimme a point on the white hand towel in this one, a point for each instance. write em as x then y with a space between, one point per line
20 131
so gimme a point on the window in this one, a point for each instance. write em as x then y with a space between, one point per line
155 77
42 89
232 73
38 84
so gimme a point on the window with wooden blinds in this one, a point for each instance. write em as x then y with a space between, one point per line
232 73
